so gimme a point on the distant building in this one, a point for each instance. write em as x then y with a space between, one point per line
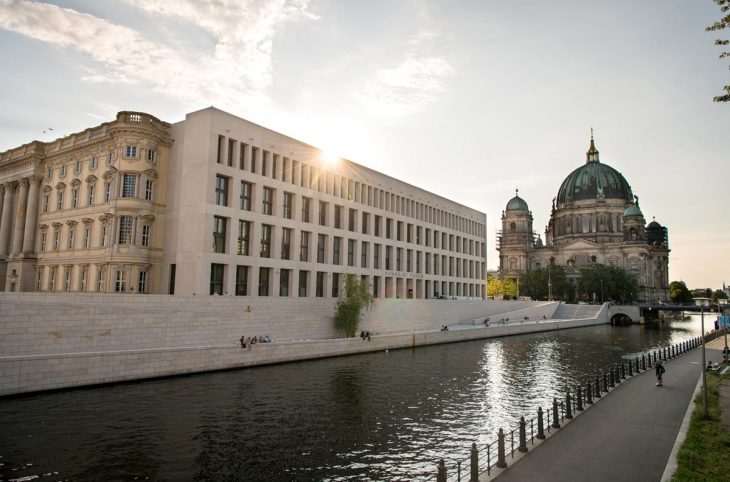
215 204
595 219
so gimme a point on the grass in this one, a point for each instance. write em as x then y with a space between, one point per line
704 455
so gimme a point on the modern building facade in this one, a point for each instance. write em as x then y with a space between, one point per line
595 219
215 204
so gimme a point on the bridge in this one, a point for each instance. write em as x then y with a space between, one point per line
649 312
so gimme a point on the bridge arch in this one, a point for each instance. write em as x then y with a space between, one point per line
621 319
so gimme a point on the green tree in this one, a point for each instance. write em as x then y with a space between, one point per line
509 288
356 296
494 287
679 293
718 295
722 24
534 283
603 283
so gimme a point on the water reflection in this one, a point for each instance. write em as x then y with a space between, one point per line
382 416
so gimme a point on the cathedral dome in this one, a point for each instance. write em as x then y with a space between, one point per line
517 204
632 210
594 180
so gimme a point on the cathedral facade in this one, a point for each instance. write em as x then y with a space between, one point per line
595 220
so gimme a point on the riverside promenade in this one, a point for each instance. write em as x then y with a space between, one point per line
627 435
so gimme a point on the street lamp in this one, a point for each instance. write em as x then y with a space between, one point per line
702 303
550 281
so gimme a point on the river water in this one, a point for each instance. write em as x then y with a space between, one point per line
380 416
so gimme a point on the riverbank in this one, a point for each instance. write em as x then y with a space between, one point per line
60 341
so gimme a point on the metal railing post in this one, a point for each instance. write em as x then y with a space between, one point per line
501 460
523 437
589 393
568 407
579 400
556 422
474 463
441 475
540 426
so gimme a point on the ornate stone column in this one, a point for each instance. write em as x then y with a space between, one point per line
20 209
5 218
31 216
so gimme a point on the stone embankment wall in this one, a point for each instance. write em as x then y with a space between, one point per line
50 341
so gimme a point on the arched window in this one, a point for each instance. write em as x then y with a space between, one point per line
512 227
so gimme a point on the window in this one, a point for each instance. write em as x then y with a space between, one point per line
388 257
107 192
56 239
306 209
335 285
244 233
46 202
219 234
120 280
49 173
87 236
77 167
131 151
151 155
376 228
74 198
389 228
71 236
284 276
303 279
110 157
398 257
351 219
376 256
268 201
142 282
338 217
103 240
364 254
217 272
286 243
241 280
322 213
304 247
265 241
365 222
90 189
288 201
83 275
59 201
219 152
62 171
125 229
246 189
43 241
319 285
409 256
100 279
221 190
149 189
93 163
145 235
350 252
52 279
409 230
231 148
336 250
321 243
399 230
264 274
67 278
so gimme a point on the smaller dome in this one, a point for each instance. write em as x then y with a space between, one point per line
632 210
517 204
654 225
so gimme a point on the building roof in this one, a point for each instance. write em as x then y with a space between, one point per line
517 204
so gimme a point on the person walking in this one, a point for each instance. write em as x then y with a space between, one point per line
659 367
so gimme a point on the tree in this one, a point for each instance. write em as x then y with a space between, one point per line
718 295
494 287
535 282
722 24
509 288
679 293
356 296
607 283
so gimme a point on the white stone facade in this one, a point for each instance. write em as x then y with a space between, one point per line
215 204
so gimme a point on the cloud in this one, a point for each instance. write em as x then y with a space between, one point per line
239 69
417 80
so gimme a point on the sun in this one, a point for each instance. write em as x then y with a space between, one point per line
329 157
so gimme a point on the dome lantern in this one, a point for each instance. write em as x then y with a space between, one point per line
592 154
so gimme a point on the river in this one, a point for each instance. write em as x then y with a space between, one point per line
380 416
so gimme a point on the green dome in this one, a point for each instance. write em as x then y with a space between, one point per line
517 204
632 210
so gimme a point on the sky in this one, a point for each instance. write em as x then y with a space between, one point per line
467 99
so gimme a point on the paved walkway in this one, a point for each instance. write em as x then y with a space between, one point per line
627 436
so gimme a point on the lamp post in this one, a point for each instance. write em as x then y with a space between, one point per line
550 280
702 303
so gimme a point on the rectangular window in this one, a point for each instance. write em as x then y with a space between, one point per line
52 279
365 222
241 280
92 163
335 285
219 154
43 241
107 192
322 213
71 236
104 238
89 195
303 279
306 209
217 272
125 229
151 155
87 236
131 151
67 279
399 233
286 243
265 241
319 285
264 275
409 230
321 244
284 276
352 215
254 156
129 185
376 256
142 282
221 190
350 252
376 227
336 250
268 201
148 190
304 247
288 203
246 189
56 239
83 275
388 257
231 148
77 167
338 217
389 228
120 281
100 280
409 256
219 234
244 232
62 171
145 235
59 201
364 254
46 202
75 198
398 257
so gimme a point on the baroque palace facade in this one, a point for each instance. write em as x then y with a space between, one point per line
595 219
215 204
